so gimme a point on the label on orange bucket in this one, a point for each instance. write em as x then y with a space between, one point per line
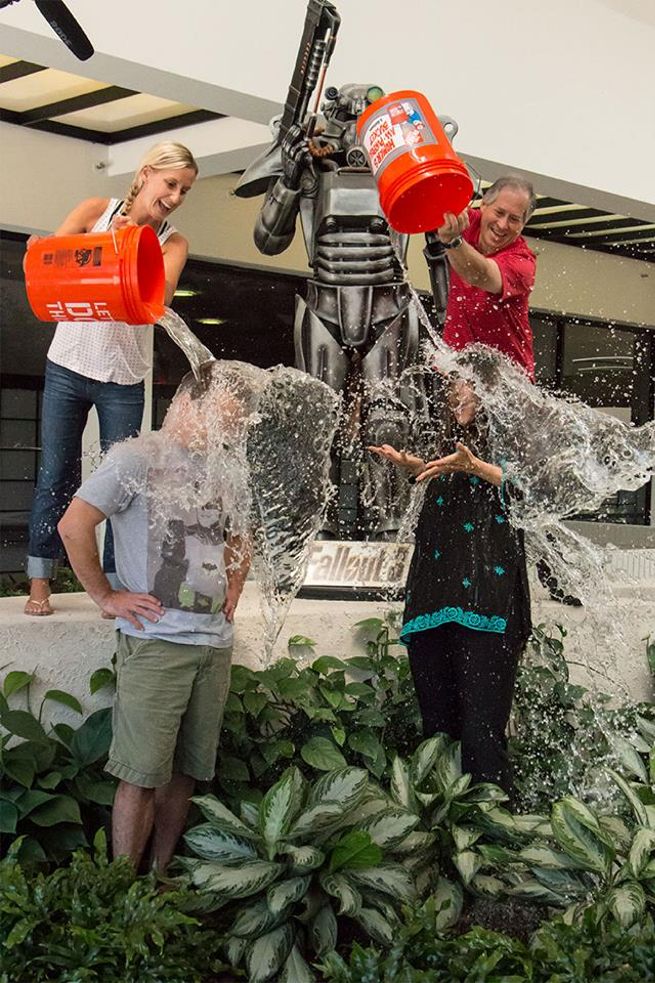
399 127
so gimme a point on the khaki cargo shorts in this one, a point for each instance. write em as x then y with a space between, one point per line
168 710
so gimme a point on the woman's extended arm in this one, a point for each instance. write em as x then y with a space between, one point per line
409 462
462 459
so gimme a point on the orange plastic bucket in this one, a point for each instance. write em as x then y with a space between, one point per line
97 276
419 175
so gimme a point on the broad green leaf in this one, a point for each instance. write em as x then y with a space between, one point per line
627 902
287 892
401 788
578 832
361 662
339 735
20 723
66 699
101 678
30 799
637 806
232 769
91 740
365 742
235 949
389 879
254 920
279 807
327 662
321 753
448 901
64 732
8 816
464 836
51 780
316 820
617 830
425 757
545 856
215 844
268 953
345 786
221 818
30 851
416 844
349 898
371 626
101 791
629 757
21 770
233 882
323 930
376 925
360 690
300 640
274 750
255 702
303 858
295 969
59 809
390 828
15 681
249 813
468 863
491 887
641 850
448 768
354 850
534 891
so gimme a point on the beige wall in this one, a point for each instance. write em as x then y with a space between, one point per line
43 176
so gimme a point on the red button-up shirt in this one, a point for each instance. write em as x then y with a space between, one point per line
499 320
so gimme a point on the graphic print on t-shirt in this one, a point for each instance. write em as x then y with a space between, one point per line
185 559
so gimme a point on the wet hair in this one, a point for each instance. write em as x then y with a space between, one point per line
516 183
162 157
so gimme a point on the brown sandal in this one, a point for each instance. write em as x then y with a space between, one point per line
39 608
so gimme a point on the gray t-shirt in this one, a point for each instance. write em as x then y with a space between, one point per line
173 552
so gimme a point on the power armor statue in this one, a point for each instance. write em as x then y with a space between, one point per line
356 329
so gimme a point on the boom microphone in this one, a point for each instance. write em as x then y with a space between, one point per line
64 24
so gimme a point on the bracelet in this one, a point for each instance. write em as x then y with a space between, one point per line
454 243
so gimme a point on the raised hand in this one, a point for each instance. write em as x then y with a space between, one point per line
453 226
295 156
401 459
461 460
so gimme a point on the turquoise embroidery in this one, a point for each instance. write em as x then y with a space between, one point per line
439 501
474 480
469 619
466 582
499 571
469 527
499 519
437 554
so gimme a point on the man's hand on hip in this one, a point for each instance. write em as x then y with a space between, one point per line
131 607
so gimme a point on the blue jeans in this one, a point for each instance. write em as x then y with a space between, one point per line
67 399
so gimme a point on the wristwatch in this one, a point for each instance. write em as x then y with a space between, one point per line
454 243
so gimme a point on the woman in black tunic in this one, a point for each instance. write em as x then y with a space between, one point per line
467 603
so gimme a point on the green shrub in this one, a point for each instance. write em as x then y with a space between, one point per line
95 920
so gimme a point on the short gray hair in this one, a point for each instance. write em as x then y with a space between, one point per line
517 183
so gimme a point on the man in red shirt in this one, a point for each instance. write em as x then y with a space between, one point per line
492 272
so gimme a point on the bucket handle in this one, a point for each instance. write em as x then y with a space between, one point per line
449 126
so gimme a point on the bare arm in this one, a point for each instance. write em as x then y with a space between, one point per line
175 250
478 270
401 459
238 554
462 460
77 529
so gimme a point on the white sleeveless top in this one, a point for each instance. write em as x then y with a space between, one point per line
108 351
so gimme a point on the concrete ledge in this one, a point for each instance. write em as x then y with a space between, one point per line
65 648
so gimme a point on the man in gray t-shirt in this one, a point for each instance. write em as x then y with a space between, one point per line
182 577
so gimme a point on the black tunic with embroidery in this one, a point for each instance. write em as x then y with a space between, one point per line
469 563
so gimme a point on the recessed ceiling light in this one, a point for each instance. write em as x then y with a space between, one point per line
210 320
186 293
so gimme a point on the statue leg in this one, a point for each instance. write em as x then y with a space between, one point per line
387 419
320 354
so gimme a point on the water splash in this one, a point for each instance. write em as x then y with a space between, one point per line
253 443
179 332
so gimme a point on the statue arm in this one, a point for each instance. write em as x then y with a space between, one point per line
276 223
